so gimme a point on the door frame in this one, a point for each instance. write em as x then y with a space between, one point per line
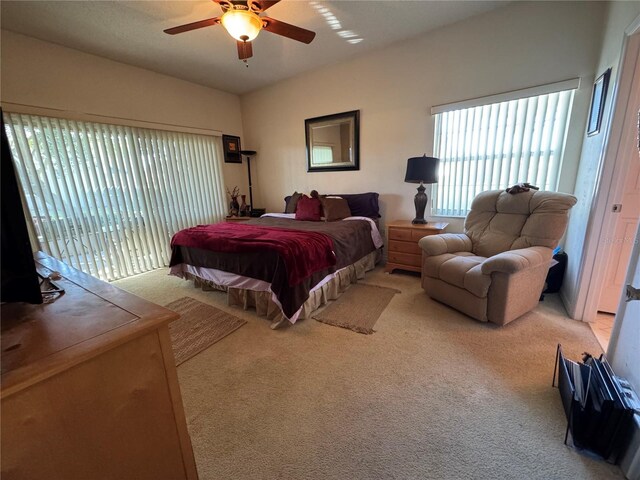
608 188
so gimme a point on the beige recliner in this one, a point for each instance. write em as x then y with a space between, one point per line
496 270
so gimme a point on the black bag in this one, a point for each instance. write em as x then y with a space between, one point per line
556 273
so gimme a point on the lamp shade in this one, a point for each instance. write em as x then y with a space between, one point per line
243 25
422 169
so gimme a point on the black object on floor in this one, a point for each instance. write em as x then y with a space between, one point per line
556 273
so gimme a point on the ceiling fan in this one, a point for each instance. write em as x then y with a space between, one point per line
243 22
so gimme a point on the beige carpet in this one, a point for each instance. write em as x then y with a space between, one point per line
199 326
358 308
432 395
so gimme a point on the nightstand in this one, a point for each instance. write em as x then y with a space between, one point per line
236 219
403 251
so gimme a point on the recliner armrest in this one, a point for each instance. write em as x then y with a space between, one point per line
514 261
445 243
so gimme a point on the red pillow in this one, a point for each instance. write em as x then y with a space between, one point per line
309 209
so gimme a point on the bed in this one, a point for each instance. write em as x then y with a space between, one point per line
282 267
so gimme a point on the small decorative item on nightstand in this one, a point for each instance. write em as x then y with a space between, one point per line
244 209
402 241
234 206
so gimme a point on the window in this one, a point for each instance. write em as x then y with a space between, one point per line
495 145
107 199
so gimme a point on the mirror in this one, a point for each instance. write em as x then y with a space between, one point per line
333 142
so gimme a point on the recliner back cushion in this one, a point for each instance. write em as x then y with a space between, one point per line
499 221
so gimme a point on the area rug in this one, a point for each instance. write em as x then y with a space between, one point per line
358 309
199 326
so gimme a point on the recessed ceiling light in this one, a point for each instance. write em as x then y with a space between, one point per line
353 41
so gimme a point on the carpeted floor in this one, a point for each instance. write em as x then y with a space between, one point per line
432 395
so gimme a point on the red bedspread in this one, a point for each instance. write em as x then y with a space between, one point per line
303 252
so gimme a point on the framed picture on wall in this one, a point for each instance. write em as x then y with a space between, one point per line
231 147
598 97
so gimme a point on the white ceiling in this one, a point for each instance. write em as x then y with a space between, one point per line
132 32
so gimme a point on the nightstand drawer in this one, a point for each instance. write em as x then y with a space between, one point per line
404 258
418 234
399 234
404 247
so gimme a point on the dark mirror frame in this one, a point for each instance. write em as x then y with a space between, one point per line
352 115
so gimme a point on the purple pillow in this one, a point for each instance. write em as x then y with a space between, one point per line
362 204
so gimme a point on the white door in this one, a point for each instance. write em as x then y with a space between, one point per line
624 354
624 347
627 220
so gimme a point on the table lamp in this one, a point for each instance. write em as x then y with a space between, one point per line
421 170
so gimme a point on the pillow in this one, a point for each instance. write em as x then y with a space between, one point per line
362 204
292 202
335 208
308 209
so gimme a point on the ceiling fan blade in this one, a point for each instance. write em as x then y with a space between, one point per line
261 5
245 50
193 26
286 30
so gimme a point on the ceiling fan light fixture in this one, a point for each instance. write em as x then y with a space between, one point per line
243 25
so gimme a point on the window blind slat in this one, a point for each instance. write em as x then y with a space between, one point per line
66 201
91 208
19 149
122 223
206 174
149 218
107 209
468 153
200 178
52 227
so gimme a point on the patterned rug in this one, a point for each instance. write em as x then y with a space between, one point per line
199 326
358 309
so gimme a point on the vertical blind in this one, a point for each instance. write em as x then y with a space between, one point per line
107 199
495 146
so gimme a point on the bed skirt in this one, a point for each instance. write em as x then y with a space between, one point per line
265 303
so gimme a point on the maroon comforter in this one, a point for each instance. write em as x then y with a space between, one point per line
303 253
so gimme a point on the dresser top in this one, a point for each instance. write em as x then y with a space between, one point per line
418 226
91 316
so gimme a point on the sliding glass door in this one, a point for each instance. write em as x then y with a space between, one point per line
107 199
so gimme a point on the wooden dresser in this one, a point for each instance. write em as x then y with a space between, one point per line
89 386
403 251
